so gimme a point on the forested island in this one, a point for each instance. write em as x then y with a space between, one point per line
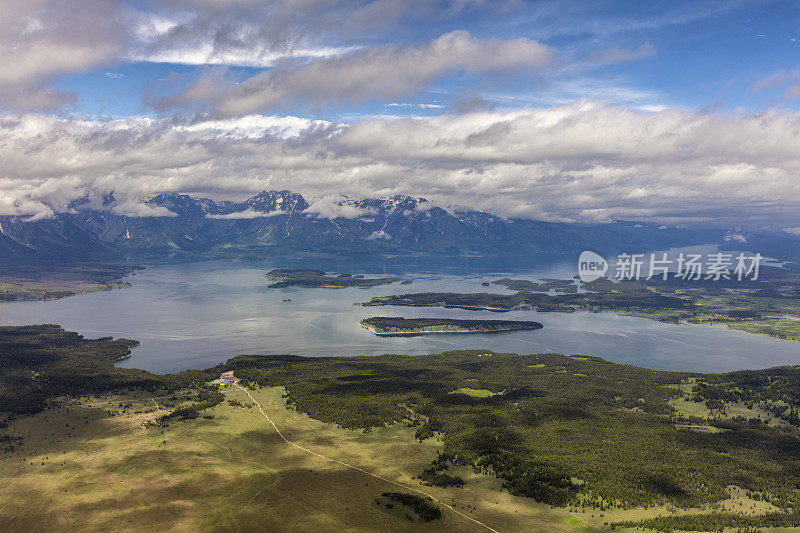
770 305
285 277
544 285
597 296
399 326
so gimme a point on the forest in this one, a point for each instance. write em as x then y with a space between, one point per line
627 298
566 430
44 362
569 431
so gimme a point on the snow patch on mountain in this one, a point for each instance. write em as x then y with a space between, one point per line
735 236
247 214
378 234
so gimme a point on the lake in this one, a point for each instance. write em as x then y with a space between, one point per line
199 314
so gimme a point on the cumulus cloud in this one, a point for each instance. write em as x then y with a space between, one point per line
25 207
256 126
243 33
318 51
383 72
43 39
259 34
131 207
333 207
584 161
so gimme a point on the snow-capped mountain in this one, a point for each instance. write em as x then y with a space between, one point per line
284 221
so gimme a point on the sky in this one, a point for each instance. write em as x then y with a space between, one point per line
578 111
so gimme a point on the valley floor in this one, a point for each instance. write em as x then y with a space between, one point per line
81 469
98 466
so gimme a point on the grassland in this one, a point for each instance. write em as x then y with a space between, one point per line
99 463
771 308
559 420
540 442
81 468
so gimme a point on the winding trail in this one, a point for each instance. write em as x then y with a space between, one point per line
287 441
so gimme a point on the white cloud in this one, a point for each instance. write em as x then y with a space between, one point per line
204 53
259 34
583 161
333 207
408 105
370 73
131 207
255 126
652 108
25 207
247 214
43 39
776 79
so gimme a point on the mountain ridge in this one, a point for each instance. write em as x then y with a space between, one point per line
284 221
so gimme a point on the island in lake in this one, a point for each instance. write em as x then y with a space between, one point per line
286 277
769 305
393 326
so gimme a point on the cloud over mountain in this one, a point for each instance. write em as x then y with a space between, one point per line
585 161
551 110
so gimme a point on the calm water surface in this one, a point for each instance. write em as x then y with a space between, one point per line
197 315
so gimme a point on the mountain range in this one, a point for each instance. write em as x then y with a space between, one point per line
283 221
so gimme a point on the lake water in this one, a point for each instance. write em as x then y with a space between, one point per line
200 314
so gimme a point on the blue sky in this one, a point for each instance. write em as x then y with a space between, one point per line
677 112
700 54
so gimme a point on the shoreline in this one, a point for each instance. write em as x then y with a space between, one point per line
15 291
